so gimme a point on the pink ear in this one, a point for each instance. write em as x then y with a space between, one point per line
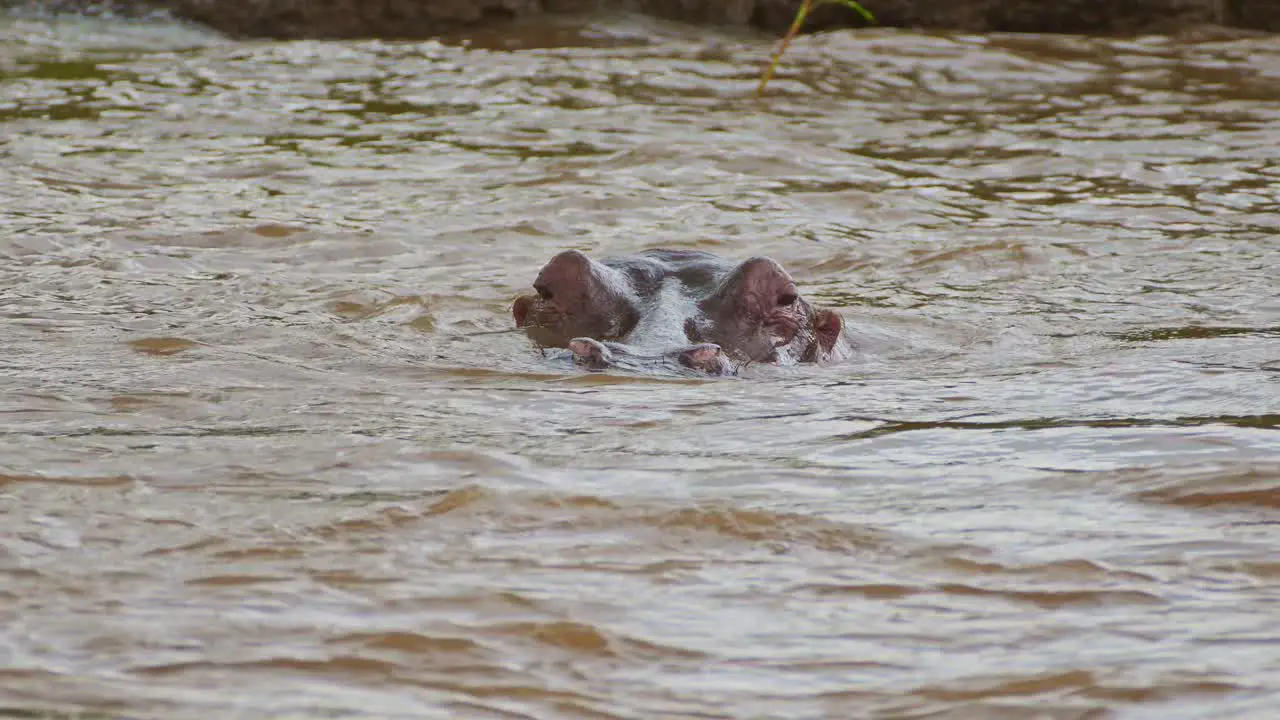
761 274
566 279
758 283
827 325
520 310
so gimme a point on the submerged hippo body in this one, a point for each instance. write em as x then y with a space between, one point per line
678 309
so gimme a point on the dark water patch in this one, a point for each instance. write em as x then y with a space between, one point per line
236 580
352 666
161 345
889 427
1256 486
1056 599
64 70
1193 333
122 481
1059 570
413 643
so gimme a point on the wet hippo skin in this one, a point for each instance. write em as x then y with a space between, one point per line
676 308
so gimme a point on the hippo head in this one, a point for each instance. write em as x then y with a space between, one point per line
756 314
681 309
576 297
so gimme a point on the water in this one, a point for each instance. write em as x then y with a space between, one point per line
267 451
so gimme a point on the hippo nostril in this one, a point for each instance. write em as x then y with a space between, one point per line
543 291
786 299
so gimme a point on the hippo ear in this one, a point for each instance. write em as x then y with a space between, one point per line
827 326
520 309
591 354
568 280
760 284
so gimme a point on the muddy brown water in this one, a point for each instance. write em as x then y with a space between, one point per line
265 451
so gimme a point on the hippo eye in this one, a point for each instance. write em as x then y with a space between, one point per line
544 292
787 299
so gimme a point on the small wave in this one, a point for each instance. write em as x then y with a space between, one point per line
1255 486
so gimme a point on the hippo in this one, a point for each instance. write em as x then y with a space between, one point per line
683 310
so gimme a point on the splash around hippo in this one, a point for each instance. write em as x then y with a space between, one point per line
685 310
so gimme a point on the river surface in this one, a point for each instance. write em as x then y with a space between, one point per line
269 450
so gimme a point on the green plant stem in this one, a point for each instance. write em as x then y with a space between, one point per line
801 15
794 30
